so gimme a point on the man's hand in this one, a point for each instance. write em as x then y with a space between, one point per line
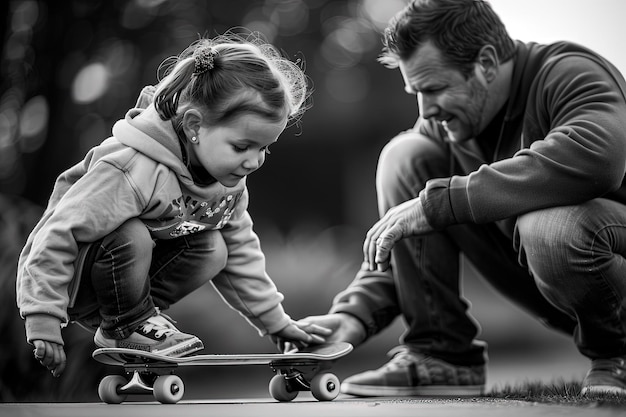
404 220
51 355
299 334
343 327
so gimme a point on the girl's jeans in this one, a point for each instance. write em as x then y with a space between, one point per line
564 265
127 274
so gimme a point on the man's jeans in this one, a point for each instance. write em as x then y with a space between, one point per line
563 265
127 274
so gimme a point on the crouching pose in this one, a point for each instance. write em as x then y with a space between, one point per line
160 208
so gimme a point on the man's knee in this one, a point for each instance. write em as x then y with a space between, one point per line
552 240
409 160
541 231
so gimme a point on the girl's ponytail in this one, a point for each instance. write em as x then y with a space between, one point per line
169 90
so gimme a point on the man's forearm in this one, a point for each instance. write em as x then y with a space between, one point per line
371 298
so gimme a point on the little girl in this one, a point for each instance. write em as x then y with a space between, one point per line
160 208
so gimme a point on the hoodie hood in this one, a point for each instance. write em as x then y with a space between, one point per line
145 131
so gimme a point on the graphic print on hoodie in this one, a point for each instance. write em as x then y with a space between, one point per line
189 216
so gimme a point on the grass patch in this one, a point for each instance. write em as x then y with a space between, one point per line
557 392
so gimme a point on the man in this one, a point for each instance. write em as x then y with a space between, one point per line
517 161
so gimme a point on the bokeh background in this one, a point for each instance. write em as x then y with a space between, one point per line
70 69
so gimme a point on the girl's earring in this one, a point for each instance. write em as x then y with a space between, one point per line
194 139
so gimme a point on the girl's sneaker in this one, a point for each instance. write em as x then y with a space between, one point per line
157 335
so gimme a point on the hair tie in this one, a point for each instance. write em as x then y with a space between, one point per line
203 60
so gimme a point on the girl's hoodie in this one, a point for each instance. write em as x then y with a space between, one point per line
139 173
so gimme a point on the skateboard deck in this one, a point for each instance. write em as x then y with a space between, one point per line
302 370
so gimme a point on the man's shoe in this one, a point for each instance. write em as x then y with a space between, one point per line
157 335
412 373
606 376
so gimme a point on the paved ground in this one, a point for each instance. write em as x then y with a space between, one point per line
306 407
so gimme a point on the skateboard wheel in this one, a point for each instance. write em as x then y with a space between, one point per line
279 390
168 389
108 389
325 387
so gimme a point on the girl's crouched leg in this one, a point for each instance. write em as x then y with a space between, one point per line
119 277
182 265
112 279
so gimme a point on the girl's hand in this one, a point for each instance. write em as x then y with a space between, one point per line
299 335
51 355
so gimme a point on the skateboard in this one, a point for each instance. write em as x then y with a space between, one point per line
150 373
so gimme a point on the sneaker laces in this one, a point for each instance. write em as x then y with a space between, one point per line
159 328
402 357
167 317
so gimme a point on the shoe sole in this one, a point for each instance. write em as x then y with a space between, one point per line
176 351
179 350
431 391
602 389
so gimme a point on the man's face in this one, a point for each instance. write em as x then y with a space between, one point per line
443 93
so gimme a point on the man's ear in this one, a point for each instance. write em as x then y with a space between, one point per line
487 62
192 121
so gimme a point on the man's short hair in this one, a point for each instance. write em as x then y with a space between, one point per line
459 28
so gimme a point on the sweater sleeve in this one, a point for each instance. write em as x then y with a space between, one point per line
371 298
93 207
243 283
575 151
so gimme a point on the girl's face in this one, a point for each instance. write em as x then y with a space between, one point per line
234 150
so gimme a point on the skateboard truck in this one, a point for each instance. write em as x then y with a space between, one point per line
166 388
288 381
